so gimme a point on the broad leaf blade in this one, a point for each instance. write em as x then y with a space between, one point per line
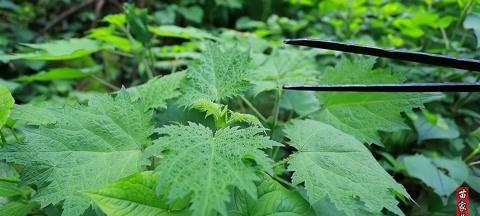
86 147
364 114
208 163
284 67
17 208
36 115
156 92
303 103
273 199
221 74
60 74
336 166
58 50
132 196
180 32
431 172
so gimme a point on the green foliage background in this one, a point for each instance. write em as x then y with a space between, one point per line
177 108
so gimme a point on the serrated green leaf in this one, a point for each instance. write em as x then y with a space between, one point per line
273 199
300 102
221 74
284 67
364 114
6 103
222 115
86 147
432 172
236 117
335 165
156 92
57 50
36 115
60 74
133 196
17 208
209 163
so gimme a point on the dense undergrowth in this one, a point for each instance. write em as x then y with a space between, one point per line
179 109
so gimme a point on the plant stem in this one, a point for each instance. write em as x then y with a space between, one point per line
460 102
276 149
14 134
255 110
124 54
105 82
4 141
150 63
147 65
472 154
276 108
474 163
307 114
283 161
284 181
463 14
445 39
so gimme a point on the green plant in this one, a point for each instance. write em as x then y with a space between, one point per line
137 118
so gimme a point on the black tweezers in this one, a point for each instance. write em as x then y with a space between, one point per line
427 58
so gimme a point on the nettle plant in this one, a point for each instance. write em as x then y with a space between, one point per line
112 157
144 150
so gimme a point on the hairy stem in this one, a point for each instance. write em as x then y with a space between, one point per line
472 154
463 15
285 182
281 162
276 107
445 39
255 110
105 82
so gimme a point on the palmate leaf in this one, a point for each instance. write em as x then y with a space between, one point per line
284 67
6 103
335 165
364 114
134 196
156 92
221 74
203 164
86 147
